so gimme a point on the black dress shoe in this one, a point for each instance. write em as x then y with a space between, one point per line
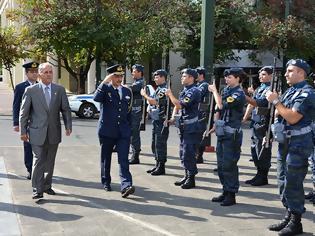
37 195
50 191
127 191
107 188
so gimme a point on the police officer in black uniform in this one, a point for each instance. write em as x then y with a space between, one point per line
203 108
186 116
31 70
160 131
136 113
259 124
114 127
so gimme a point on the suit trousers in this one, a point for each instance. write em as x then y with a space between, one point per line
43 166
28 156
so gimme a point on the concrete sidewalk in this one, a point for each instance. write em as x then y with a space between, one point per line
6 99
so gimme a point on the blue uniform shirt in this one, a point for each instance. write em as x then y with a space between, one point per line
190 98
136 87
233 100
159 96
114 121
260 95
204 92
301 97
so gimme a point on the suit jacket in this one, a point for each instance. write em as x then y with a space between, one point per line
43 121
18 94
115 118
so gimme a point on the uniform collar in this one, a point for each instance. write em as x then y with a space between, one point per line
234 88
162 85
190 86
300 84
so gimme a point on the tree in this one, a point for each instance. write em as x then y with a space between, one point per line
11 50
78 31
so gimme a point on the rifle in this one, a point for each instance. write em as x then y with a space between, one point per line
168 107
274 85
206 138
144 108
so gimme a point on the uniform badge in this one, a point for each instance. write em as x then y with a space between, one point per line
230 99
109 94
127 97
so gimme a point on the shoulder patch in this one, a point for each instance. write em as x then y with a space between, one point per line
304 95
230 99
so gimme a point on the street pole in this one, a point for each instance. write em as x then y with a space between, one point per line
206 53
207 37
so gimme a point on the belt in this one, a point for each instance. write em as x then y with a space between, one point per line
302 131
190 121
230 130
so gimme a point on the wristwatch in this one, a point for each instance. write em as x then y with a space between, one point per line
275 102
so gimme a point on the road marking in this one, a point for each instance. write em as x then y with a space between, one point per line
113 212
123 216
9 223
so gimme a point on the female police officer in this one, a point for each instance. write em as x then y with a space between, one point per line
229 135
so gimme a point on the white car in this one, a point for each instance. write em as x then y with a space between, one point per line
83 105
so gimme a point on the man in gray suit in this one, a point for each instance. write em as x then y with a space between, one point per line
40 113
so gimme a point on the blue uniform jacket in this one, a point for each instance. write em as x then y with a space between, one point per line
18 93
301 97
190 98
233 100
115 119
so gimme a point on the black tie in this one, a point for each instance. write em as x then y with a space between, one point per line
117 93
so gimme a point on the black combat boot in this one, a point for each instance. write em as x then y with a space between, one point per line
294 227
229 199
250 181
219 198
262 178
181 181
309 196
153 169
134 158
189 183
160 170
283 223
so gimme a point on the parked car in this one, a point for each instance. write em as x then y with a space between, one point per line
83 105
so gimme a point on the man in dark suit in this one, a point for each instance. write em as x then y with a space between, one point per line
31 70
40 124
114 129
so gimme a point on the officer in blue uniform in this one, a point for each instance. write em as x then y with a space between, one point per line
185 115
259 124
31 70
227 126
204 107
114 127
160 131
311 195
292 130
136 113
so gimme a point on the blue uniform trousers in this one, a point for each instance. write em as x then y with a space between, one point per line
263 162
122 148
135 131
292 164
228 154
160 140
187 151
28 156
